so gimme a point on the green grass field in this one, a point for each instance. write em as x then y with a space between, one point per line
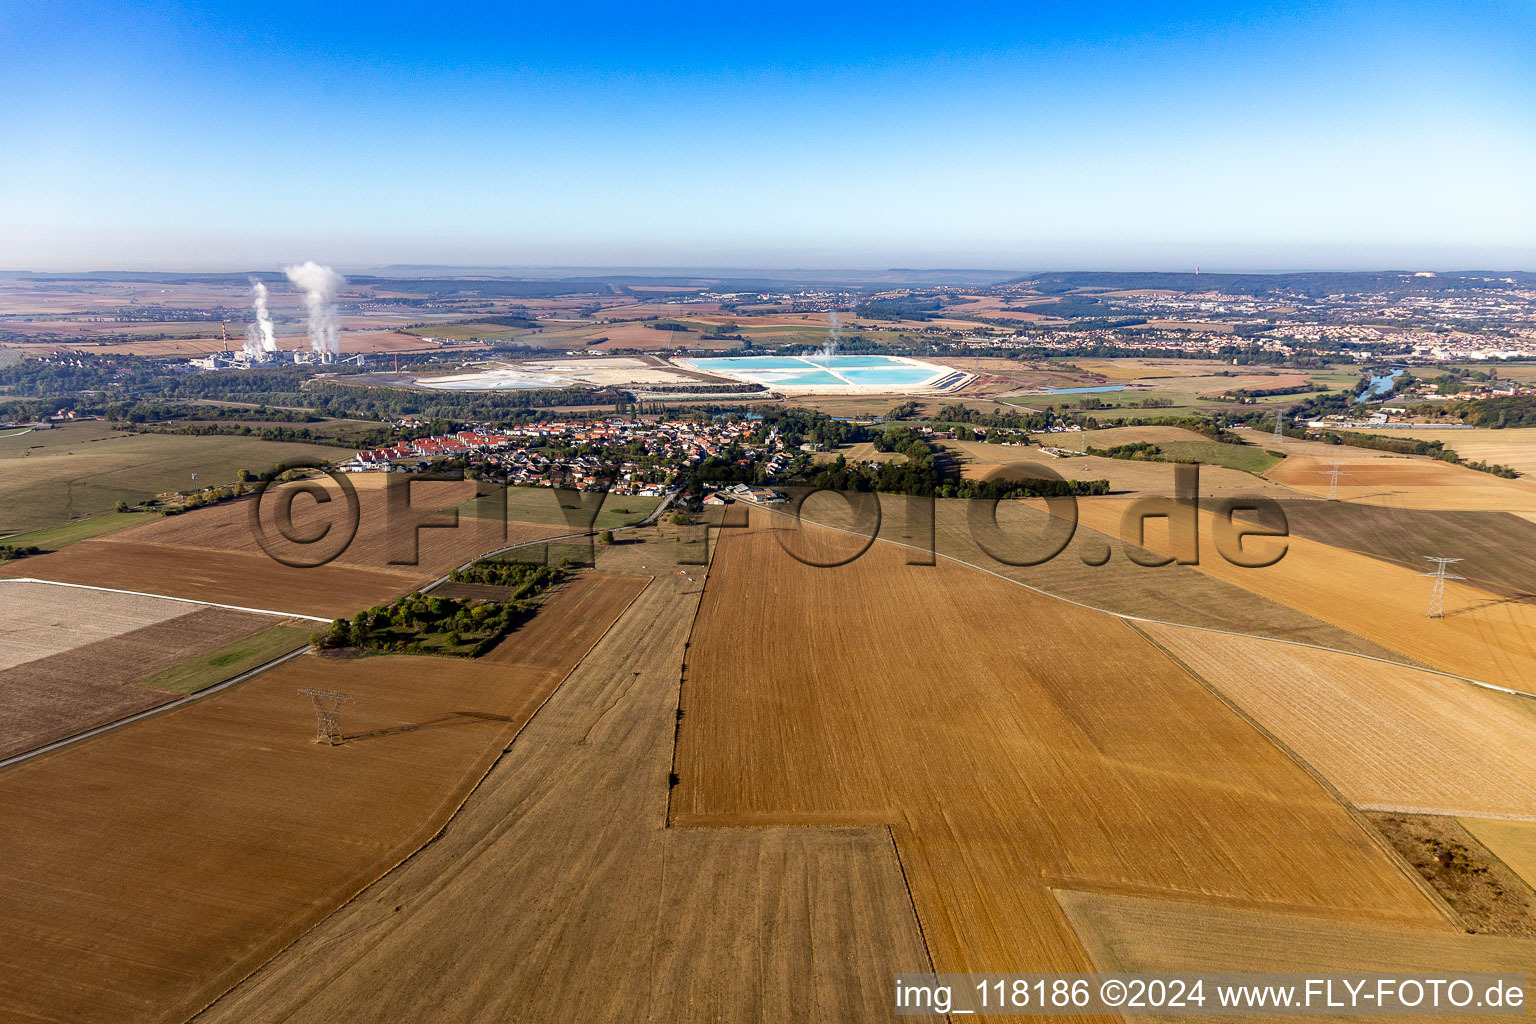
81 529
227 662
50 477
1234 456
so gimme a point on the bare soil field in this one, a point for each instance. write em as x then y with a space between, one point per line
564 850
1126 933
42 620
1387 736
913 695
213 835
95 682
1513 842
1483 891
1483 636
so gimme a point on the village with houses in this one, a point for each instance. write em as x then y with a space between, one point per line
616 454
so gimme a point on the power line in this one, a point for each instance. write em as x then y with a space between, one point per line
1335 471
327 714
1437 595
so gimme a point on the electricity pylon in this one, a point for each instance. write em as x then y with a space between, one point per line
1279 428
1335 470
327 714
1437 595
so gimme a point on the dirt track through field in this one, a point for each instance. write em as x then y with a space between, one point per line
147 870
558 892
1014 742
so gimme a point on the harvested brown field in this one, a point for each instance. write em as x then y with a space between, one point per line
1092 570
1387 736
1497 549
213 555
1513 448
66 693
968 714
222 577
1399 481
1483 636
979 460
563 853
1143 369
378 543
1135 935
213 835
1483 891
1513 842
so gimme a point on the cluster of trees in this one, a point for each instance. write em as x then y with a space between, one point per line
1034 422
1005 488
919 474
155 412
910 307
1215 428
1141 451
420 624
1512 411
525 580
345 398
202 498
357 439
1293 389
798 426
704 388
10 551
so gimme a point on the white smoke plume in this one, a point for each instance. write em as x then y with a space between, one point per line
259 336
829 348
319 285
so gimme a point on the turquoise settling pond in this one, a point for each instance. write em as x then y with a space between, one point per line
867 373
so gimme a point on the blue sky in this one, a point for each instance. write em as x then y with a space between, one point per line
1241 136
